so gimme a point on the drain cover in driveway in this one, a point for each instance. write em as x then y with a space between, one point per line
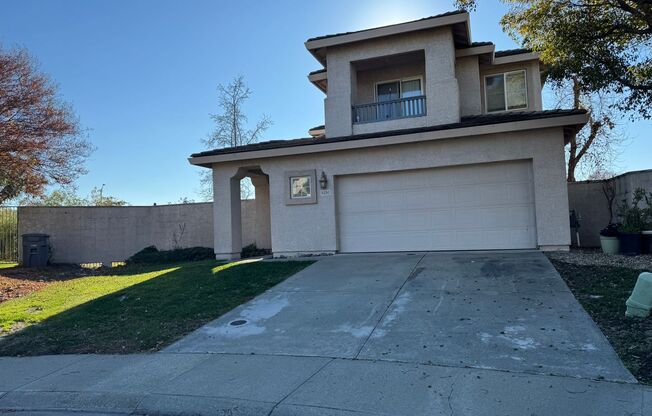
237 322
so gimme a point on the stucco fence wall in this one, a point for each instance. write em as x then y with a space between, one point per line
111 234
588 200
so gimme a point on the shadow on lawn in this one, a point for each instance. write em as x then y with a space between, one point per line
150 314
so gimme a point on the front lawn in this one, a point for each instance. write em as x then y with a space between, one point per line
7 265
602 290
136 308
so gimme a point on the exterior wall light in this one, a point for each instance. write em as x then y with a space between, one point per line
323 181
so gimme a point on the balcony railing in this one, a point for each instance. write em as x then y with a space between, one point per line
390 110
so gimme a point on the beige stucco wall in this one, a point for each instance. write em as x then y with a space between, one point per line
467 72
588 200
313 228
626 184
108 234
441 87
532 75
590 204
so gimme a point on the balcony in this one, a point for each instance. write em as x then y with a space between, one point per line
390 110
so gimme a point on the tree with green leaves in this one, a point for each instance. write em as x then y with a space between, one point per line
68 197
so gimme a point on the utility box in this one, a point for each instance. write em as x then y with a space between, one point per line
36 250
639 303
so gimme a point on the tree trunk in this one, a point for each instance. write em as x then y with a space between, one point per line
572 154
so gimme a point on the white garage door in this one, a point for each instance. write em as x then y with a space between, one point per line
472 207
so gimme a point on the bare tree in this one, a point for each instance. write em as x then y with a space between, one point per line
231 129
593 151
609 190
41 142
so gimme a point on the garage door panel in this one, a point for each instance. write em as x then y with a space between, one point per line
488 206
395 221
520 193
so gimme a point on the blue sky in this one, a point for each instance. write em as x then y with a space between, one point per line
142 75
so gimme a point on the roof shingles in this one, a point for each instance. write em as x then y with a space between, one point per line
469 121
510 52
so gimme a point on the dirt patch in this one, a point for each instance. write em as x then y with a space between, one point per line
17 282
16 288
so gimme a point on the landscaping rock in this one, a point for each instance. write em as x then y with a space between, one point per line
595 257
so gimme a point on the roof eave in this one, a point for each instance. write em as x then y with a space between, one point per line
475 50
319 80
315 44
528 56
570 123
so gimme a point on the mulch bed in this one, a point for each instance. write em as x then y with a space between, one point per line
602 286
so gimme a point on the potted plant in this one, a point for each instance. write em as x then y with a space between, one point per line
633 222
609 239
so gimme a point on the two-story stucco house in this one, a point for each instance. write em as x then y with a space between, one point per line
431 142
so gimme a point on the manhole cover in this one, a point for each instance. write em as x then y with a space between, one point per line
238 322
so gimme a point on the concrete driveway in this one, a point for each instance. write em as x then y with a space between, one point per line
386 334
490 310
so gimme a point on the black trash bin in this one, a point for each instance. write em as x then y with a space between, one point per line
36 250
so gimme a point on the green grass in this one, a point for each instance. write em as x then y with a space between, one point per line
7 265
140 308
602 291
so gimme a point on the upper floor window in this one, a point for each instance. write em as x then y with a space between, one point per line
507 91
393 90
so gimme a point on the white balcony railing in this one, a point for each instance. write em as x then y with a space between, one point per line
390 110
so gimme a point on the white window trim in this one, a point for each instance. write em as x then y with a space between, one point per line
400 81
504 74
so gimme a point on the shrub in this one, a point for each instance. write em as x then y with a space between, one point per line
252 251
153 255
610 231
634 218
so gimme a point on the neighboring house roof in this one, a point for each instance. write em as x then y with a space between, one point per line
317 131
469 121
319 71
379 27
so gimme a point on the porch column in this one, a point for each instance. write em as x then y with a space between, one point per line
227 229
337 105
442 93
263 233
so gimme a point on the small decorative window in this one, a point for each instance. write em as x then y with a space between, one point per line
507 91
300 187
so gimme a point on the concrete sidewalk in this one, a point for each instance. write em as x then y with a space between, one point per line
228 384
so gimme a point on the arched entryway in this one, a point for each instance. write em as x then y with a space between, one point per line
252 217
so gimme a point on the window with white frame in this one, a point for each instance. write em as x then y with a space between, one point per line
388 91
506 91
393 90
